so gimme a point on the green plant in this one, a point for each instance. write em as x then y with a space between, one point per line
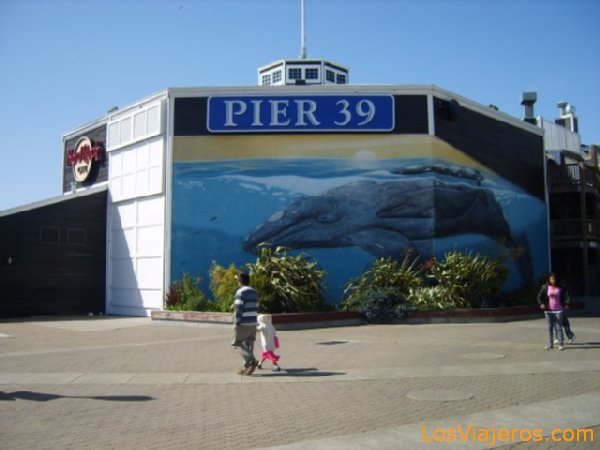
381 305
468 280
429 298
223 285
287 283
385 273
185 295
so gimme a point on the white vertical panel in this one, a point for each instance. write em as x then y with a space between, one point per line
150 241
151 211
123 243
151 298
116 160
156 152
116 191
123 273
149 273
139 125
137 256
142 155
128 188
125 216
155 181
114 138
126 132
153 120
129 161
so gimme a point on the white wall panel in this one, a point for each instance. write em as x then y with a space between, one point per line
149 240
126 215
136 124
139 170
115 167
123 274
136 256
149 273
151 211
151 298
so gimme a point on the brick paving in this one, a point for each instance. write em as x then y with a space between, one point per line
130 383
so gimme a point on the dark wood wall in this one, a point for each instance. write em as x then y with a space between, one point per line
53 258
512 152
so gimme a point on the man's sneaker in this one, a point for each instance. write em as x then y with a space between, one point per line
571 340
561 347
555 341
548 347
251 367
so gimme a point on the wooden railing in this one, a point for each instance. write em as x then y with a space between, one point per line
575 229
573 175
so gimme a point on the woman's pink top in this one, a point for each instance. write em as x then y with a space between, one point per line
554 303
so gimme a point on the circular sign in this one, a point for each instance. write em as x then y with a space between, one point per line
83 163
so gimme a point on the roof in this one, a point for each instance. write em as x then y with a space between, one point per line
54 200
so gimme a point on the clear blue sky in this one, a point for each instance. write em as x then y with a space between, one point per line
66 62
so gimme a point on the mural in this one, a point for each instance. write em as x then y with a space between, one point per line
345 200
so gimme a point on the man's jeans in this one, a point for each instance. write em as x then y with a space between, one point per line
554 319
243 341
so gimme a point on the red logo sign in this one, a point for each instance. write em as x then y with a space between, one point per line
86 151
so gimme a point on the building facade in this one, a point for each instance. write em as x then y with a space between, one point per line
344 173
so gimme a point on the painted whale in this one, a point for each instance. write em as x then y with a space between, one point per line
385 218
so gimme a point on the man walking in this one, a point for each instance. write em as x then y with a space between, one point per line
245 307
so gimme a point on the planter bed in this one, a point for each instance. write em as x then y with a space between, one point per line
300 321
292 321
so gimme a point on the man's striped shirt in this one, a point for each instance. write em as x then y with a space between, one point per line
245 306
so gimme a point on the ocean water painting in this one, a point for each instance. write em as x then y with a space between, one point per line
345 212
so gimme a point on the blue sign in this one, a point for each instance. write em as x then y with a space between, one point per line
300 113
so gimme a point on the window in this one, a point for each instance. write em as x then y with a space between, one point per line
277 77
266 80
295 74
76 236
312 74
341 79
330 76
50 235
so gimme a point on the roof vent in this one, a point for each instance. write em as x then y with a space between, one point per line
528 99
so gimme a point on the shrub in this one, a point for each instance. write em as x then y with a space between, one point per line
429 298
380 305
468 281
379 293
287 283
385 273
185 295
223 284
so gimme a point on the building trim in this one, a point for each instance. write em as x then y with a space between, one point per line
54 200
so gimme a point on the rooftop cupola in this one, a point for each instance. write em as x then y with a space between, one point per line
302 71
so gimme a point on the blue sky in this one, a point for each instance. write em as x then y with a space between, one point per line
66 62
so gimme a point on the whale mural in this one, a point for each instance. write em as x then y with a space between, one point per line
385 218
345 200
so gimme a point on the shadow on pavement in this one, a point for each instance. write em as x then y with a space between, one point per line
44 397
308 372
584 345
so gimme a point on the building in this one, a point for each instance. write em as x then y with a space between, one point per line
346 174
573 182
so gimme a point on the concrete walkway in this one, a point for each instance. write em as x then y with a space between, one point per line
92 382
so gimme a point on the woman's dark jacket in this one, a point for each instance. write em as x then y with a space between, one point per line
565 296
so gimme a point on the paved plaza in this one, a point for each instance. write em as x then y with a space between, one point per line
130 383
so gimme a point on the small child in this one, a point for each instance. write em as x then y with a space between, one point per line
268 340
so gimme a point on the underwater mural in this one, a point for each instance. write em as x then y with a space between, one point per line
346 200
